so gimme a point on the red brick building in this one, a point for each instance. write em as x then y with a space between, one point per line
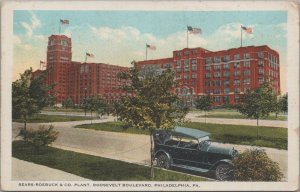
79 80
225 75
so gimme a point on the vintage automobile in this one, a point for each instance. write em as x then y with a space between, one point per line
192 149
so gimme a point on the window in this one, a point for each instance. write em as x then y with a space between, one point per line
217 74
207 83
217 83
217 67
260 71
226 58
207 91
226 74
178 53
207 68
260 80
217 59
186 76
208 60
217 91
207 75
226 66
237 57
64 43
217 99
178 70
186 53
247 72
167 65
236 82
236 98
227 90
194 62
186 69
177 64
186 63
237 73
247 64
237 90
52 42
260 63
260 55
194 75
247 56
247 81
226 83
194 67
237 65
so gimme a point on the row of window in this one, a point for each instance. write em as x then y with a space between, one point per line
236 73
236 82
226 90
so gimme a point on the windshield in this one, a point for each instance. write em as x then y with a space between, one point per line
203 139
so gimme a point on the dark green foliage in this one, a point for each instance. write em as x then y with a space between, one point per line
259 102
152 104
68 103
92 167
284 103
41 137
42 118
30 95
96 103
204 103
255 165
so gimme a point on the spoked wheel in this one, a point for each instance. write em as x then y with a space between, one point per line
224 172
163 161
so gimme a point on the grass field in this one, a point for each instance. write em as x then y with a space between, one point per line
42 118
235 134
93 167
234 114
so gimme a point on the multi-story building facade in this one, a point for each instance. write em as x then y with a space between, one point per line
225 75
79 80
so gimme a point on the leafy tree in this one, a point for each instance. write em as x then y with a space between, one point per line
30 95
258 102
68 103
152 104
255 165
95 103
284 103
204 103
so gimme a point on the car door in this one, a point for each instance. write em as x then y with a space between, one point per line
202 156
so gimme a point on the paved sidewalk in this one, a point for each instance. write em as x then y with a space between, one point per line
27 171
194 117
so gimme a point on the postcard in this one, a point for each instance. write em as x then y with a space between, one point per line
150 95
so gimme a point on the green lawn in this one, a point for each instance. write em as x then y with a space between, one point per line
233 114
236 134
93 167
42 118
60 109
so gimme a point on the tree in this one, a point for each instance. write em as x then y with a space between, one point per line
68 103
284 103
152 103
258 102
95 103
204 103
30 95
255 165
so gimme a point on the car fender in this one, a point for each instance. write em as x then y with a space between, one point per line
163 152
227 161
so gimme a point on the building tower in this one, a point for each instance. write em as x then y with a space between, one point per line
59 57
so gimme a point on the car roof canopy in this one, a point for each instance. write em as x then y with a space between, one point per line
189 132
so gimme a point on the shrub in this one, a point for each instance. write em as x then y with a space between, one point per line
41 137
255 165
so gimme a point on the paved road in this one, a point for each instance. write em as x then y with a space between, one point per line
194 117
121 146
27 171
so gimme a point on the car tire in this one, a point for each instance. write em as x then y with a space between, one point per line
224 172
163 161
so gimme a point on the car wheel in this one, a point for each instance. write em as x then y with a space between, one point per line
163 161
224 172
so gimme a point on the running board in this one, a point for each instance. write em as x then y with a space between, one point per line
191 168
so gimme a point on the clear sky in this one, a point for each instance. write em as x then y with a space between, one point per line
118 37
